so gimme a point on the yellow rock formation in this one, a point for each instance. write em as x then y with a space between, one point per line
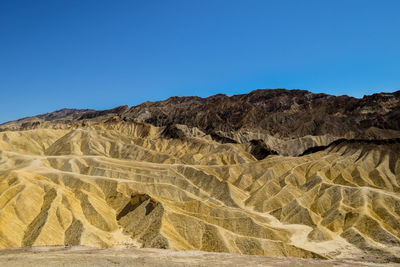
122 185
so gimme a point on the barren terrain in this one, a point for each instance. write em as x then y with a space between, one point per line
112 179
85 256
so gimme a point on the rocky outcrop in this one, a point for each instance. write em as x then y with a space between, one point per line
288 121
122 184
245 182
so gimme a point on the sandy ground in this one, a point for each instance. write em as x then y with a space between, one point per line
86 256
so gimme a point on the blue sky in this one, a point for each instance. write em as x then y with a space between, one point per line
101 54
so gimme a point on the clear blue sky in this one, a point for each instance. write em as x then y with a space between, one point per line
101 54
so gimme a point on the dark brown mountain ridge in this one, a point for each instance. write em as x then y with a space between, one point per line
273 115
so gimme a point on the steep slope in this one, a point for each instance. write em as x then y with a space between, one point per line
273 172
287 121
124 184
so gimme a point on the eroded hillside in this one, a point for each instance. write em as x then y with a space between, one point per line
287 121
123 184
101 179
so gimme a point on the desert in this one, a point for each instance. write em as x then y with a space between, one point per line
120 179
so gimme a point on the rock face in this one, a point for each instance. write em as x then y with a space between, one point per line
288 121
151 176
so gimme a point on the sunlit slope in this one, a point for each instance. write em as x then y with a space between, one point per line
122 184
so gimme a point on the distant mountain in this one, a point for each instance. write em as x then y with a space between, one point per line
287 121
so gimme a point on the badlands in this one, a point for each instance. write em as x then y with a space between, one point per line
279 173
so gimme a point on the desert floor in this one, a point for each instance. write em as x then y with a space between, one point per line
86 256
